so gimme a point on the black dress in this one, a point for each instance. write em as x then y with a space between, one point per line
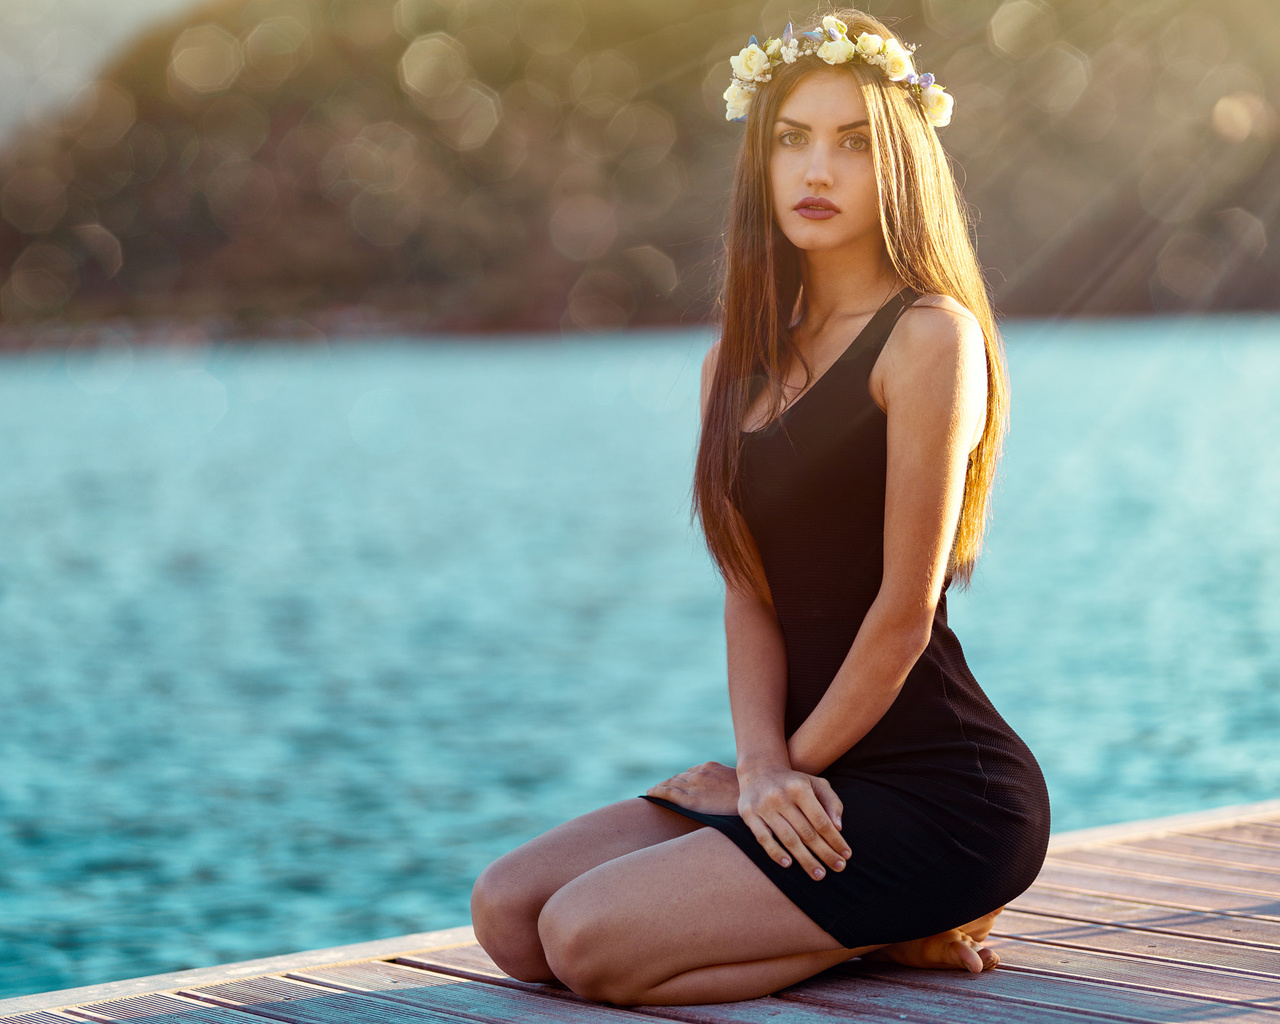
945 808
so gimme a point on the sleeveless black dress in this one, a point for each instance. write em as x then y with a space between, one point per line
945 808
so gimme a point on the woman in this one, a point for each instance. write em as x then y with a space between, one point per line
852 413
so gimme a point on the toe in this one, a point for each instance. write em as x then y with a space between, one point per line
966 956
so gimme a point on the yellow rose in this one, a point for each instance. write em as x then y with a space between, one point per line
836 51
937 104
738 98
834 26
869 44
897 60
750 64
773 47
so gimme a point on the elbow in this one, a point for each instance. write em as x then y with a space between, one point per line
908 630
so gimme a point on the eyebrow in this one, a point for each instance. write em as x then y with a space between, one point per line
843 128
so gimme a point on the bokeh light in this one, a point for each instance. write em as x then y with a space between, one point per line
463 164
206 59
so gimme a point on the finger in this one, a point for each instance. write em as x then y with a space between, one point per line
813 840
767 840
831 803
990 958
817 830
791 840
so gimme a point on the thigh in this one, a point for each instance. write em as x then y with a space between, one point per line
693 901
548 861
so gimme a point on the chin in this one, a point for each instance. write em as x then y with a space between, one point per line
817 241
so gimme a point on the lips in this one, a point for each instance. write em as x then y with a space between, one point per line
811 202
816 208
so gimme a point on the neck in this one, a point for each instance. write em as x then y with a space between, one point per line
846 281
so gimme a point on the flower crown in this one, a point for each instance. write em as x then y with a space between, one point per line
755 63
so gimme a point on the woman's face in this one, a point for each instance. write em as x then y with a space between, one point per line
821 151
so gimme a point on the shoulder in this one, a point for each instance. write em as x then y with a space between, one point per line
937 346
939 327
709 360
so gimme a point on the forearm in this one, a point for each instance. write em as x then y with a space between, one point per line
757 663
887 645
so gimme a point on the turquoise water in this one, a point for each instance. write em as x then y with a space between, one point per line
293 641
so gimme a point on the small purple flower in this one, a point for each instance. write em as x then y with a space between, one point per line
912 78
926 80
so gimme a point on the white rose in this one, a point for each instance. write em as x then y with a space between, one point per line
897 60
836 51
869 44
834 26
772 47
738 98
751 63
937 104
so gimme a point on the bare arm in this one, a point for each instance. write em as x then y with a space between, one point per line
791 813
757 657
934 392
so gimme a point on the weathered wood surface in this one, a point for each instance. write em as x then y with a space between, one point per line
1177 922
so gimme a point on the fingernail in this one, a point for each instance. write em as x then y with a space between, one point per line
839 865
818 872
847 853
786 862
839 823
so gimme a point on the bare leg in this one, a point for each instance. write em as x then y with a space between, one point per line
510 893
689 920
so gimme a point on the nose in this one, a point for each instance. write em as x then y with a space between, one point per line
818 173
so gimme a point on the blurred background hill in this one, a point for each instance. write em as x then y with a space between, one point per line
278 165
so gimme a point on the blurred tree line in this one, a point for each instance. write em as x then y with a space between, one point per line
535 164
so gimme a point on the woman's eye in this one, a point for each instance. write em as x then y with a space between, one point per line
791 137
858 142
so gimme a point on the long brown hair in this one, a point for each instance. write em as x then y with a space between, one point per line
926 234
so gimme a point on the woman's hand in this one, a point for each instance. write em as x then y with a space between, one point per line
796 817
711 788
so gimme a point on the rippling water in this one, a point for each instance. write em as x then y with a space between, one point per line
293 641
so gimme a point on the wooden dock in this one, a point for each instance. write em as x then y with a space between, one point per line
1173 920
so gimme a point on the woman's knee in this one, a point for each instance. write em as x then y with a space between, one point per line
504 915
586 950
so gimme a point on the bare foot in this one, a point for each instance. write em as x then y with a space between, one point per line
956 948
981 928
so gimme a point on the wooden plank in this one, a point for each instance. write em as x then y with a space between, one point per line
393 980
173 980
464 962
1156 865
865 996
1255 833
299 1003
162 1008
1207 848
868 992
1144 944
1003 991
1219 986
1167 920
447 994
1099 881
